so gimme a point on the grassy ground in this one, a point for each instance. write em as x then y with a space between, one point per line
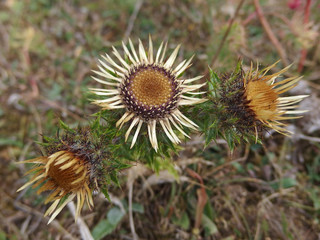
268 191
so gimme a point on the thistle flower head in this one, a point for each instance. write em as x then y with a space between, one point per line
73 168
150 90
252 101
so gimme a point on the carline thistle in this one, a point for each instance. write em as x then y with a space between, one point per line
150 90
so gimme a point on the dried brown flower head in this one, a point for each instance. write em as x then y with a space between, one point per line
63 174
74 168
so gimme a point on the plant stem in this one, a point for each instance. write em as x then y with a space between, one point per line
303 54
226 33
270 34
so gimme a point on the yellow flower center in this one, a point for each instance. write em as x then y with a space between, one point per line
263 100
151 87
68 172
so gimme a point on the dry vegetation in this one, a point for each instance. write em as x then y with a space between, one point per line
268 191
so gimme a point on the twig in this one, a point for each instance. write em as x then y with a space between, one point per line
59 107
38 120
222 166
314 85
249 19
8 223
202 200
226 33
24 151
133 230
258 231
133 173
54 223
132 20
270 34
311 139
83 228
303 54
115 200
317 50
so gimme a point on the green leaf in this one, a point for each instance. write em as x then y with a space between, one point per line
238 67
236 73
208 209
106 194
284 183
137 207
102 229
209 136
183 221
42 143
213 83
114 178
238 167
255 147
66 127
288 182
48 139
107 226
2 235
121 166
230 139
7 142
210 227
115 215
96 123
55 92
314 195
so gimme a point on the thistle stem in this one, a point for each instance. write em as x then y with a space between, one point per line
133 230
269 32
303 54
227 33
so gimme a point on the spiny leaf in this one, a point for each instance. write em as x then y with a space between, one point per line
66 127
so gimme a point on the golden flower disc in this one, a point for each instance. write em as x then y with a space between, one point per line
262 100
151 87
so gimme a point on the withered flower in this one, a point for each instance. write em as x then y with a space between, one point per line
73 168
